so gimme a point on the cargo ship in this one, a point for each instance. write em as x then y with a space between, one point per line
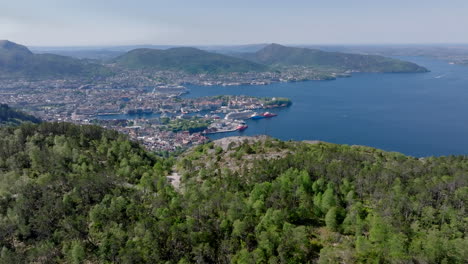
242 127
268 114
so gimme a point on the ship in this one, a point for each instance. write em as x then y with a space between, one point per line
242 127
256 116
239 115
268 114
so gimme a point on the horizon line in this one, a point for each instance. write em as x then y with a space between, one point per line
246 44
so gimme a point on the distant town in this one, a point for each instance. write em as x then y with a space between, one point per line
161 119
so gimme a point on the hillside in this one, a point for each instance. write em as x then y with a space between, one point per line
190 60
82 194
278 55
10 116
17 61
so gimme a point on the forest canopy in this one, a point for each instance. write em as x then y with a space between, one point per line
83 194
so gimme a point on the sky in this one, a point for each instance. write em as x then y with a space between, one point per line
233 22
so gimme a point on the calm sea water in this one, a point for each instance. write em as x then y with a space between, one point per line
423 114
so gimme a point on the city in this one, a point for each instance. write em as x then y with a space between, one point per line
72 101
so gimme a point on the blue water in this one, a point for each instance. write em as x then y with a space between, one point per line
423 114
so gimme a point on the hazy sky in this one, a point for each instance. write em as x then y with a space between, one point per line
204 22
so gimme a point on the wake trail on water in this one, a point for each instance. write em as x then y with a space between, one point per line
441 76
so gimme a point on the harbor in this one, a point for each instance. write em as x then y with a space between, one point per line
189 121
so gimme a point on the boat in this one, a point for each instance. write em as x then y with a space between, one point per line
256 116
242 127
239 115
268 114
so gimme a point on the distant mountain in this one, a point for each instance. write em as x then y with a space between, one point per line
92 54
10 116
109 52
233 49
278 55
18 61
190 60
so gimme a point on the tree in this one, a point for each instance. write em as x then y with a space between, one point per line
331 219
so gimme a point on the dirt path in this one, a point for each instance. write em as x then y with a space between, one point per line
174 179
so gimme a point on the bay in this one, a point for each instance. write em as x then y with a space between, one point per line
422 114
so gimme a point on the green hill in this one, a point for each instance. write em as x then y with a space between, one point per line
82 194
10 116
190 60
278 55
17 61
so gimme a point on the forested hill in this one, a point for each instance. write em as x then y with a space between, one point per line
82 194
279 55
10 116
17 61
190 60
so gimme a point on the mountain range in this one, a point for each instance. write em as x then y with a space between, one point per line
18 61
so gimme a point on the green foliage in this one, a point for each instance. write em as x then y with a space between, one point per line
191 125
9 116
339 196
331 219
277 101
51 176
81 194
275 54
190 60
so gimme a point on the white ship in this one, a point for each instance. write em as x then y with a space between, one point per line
239 115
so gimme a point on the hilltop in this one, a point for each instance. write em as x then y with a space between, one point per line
278 55
17 61
190 60
83 194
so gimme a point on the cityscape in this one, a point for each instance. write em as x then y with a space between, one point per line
68 101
